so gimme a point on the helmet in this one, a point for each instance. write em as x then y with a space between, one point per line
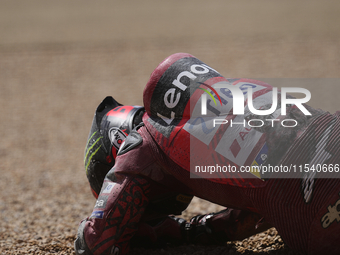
112 122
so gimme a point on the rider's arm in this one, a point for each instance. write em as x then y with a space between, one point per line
214 228
115 217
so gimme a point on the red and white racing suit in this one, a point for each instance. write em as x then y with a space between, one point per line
159 160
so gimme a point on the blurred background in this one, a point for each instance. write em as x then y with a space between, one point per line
59 59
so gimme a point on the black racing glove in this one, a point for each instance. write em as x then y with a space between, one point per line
200 231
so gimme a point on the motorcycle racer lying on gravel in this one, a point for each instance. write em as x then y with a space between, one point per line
144 164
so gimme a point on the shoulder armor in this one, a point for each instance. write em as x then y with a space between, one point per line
132 140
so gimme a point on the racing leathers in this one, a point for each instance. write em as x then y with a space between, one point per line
177 152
